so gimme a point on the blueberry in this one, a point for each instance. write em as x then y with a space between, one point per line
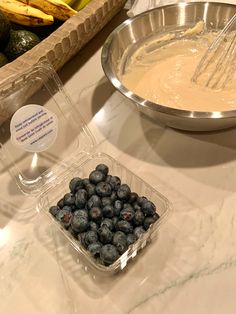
123 192
149 221
115 219
72 232
94 201
136 206
81 238
67 208
127 206
106 201
65 217
113 196
95 214
108 211
138 231
81 198
107 222
103 189
54 210
73 208
133 197
118 206
138 218
105 234
59 215
122 246
103 168
141 200
119 236
93 226
79 223
90 237
91 189
148 208
75 184
95 248
115 182
131 238
69 199
127 214
108 178
125 226
81 213
60 203
96 176
85 182
109 254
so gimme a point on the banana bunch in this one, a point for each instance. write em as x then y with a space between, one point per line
20 13
57 8
78 4
69 2
36 12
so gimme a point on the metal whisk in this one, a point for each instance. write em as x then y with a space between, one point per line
218 65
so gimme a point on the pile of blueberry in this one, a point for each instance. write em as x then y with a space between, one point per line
103 214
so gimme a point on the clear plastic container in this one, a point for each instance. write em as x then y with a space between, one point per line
44 156
60 187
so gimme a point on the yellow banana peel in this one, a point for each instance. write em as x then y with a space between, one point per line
69 2
56 8
80 4
24 14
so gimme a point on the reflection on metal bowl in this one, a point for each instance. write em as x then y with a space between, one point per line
159 21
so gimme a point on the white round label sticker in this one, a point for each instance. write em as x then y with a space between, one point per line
33 128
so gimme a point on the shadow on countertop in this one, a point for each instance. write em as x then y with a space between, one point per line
183 149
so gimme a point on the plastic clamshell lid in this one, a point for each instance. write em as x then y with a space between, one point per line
39 128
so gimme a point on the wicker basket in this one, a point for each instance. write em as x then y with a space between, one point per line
68 39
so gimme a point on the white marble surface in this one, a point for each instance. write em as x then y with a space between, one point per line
190 268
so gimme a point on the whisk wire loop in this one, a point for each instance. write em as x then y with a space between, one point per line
218 65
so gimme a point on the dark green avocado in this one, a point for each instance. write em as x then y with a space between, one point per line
5 27
3 60
19 42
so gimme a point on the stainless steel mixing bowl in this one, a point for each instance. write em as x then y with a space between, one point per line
160 20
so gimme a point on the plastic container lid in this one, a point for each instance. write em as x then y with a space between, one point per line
45 128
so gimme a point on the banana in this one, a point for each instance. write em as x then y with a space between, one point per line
57 8
24 14
80 4
69 2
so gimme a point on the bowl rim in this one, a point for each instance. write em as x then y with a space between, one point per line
180 113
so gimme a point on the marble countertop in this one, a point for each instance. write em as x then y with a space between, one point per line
190 268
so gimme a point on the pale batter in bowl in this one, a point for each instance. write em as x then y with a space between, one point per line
163 76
